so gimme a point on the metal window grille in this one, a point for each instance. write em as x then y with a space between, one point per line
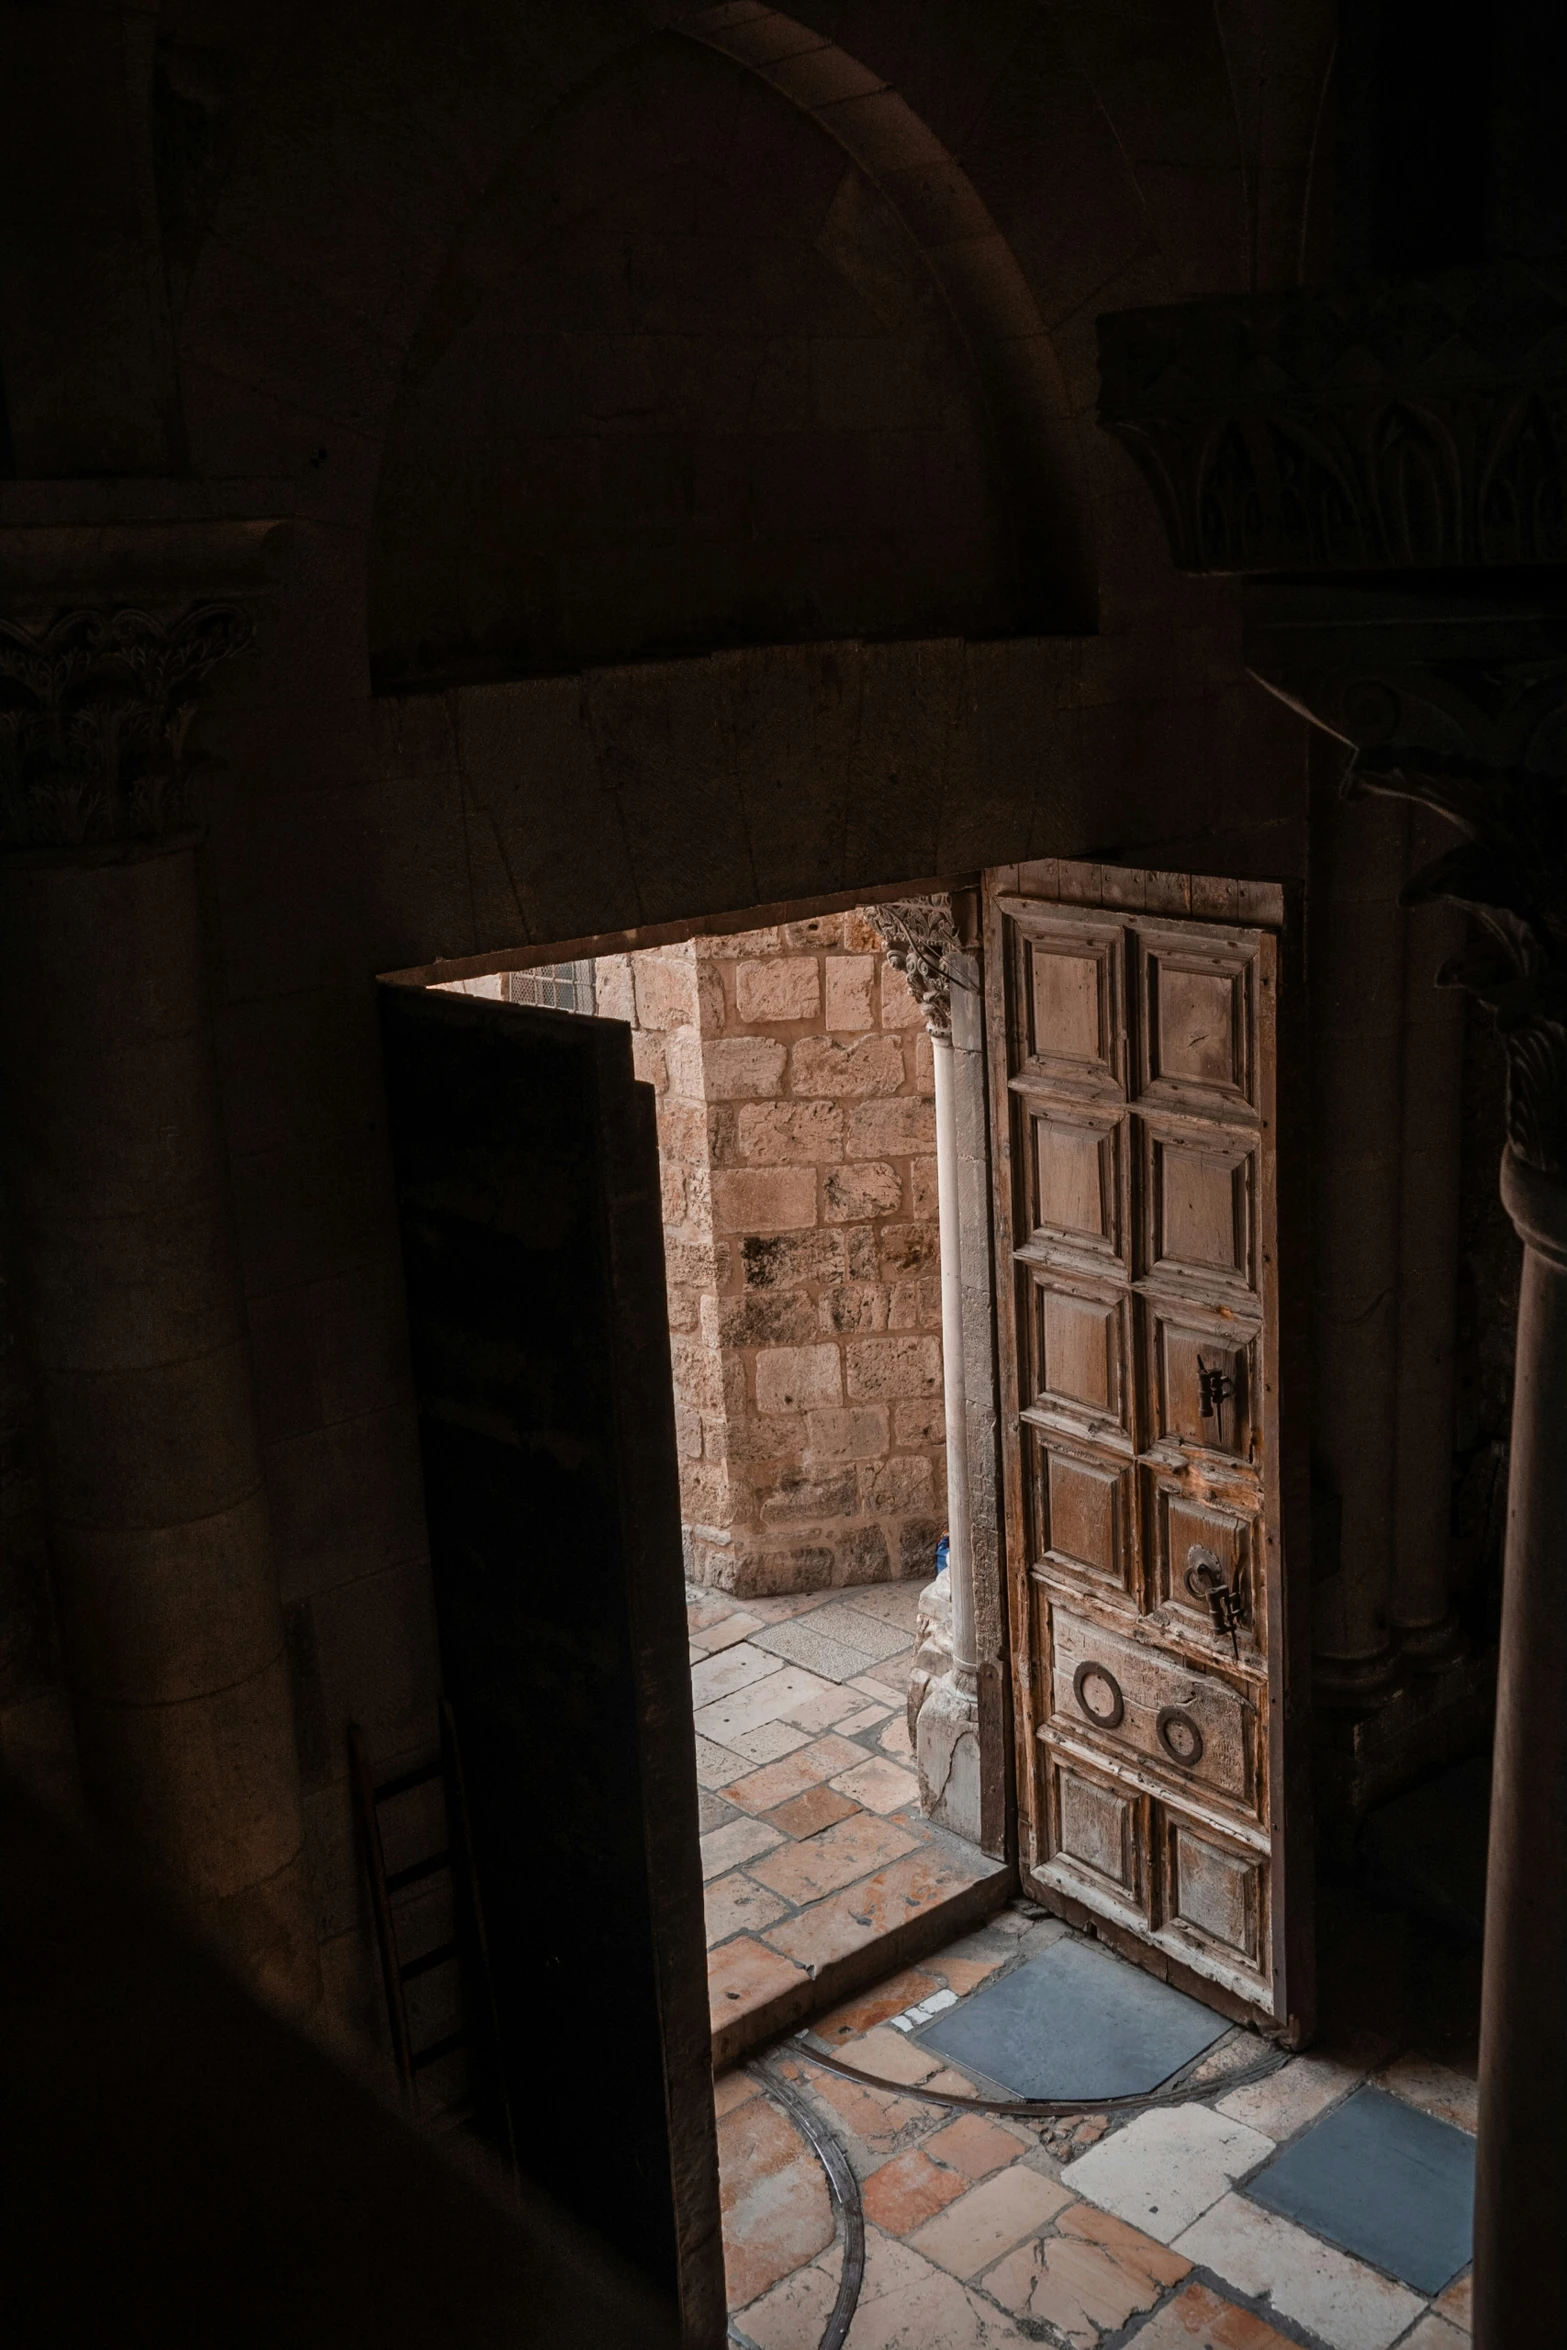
559 987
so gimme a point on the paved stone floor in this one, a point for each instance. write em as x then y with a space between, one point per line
814 1848
982 2233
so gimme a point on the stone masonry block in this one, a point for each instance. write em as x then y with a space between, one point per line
895 1488
796 1500
917 1540
890 1129
858 1305
922 1187
898 1008
613 990
872 1065
909 1248
851 992
920 1423
665 983
863 1556
783 1260
697 1373
764 1199
784 990
782 1317
649 1059
683 1061
775 1133
766 1436
793 1378
903 1307
740 1068
852 1195
857 1433
875 1367
815 932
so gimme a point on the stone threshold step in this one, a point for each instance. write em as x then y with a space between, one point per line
782 1996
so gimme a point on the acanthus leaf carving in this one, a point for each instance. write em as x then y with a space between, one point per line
95 714
921 938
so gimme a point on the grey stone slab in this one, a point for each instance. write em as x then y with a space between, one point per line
803 1645
895 1603
876 1639
1075 2022
1384 2181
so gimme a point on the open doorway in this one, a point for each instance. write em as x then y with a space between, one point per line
794 1076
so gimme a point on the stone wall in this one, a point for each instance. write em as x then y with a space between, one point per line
797 1138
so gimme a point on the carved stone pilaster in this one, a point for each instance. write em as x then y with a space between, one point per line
921 938
95 713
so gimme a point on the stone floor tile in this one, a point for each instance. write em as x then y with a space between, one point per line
877 1906
870 2008
895 1739
891 2056
1086 2280
1434 2333
808 1872
712 1812
854 1628
909 2305
716 1765
1167 2167
740 1840
860 1724
710 1609
773 2198
783 1694
744 1974
765 1744
874 1691
793 2316
898 1603
1456 2302
879 1785
804 1644
807 1766
1199 2320
735 1905
694 1654
784 1604
1347 2305
881 2121
976 2145
892 1675
733 1669
952 2084
1290 2098
908 2190
807 1814
1449 2096
725 1634
963 1973
732 2089
972 2233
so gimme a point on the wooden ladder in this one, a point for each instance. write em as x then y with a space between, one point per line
485 2108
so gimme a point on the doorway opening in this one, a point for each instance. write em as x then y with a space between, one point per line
793 1072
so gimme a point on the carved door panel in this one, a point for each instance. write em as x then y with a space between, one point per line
1135 1055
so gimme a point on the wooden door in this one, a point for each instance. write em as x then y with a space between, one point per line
1155 1462
526 1163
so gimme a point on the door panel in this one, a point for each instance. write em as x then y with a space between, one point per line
526 1165
1135 1059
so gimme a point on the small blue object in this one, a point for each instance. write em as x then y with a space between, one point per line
1075 2022
1384 2181
943 1553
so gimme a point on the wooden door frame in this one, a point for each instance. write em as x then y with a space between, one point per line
1278 908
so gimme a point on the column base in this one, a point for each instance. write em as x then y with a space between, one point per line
946 1754
1430 1718
1430 1648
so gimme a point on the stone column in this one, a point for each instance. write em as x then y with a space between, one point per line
132 1303
922 943
1419 1613
1521 2175
1357 997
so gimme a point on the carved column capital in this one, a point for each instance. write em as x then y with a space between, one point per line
921 937
95 712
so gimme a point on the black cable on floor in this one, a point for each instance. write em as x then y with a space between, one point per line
844 2189
1176 2090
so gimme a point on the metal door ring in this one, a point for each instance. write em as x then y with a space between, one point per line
1180 1737
1089 1671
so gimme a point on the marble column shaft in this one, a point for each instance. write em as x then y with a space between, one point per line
165 1584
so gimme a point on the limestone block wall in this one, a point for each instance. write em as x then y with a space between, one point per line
797 1139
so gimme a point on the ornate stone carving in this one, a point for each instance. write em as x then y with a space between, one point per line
920 937
1413 424
94 717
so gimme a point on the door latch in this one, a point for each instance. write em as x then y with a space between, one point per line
1214 1388
1206 1579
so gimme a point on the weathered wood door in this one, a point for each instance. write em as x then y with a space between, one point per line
526 1161
1153 1420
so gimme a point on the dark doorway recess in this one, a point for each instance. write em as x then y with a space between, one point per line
527 1177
